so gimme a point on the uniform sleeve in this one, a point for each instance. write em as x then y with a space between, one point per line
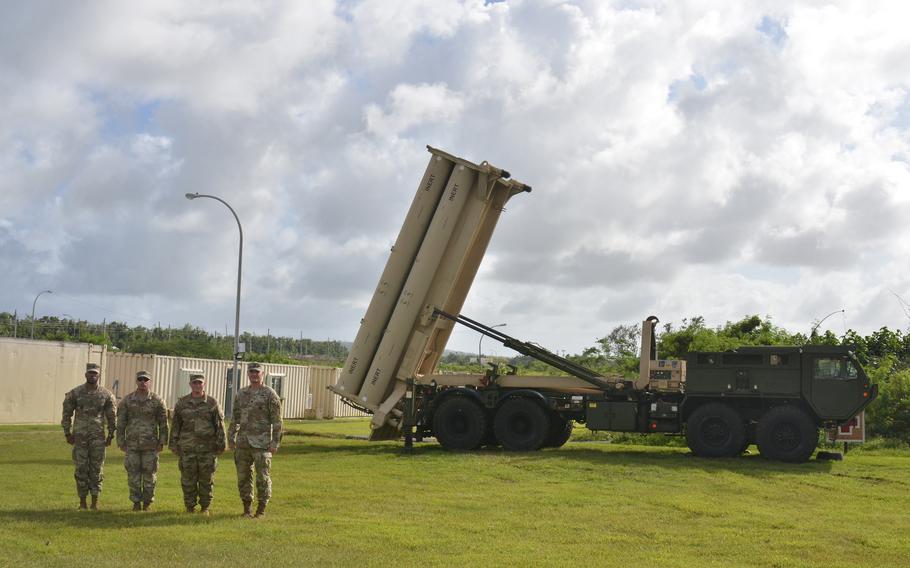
235 423
176 426
219 427
110 413
69 407
161 418
275 419
121 423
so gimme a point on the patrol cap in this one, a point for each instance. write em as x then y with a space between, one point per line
93 368
143 375
254 367
197 377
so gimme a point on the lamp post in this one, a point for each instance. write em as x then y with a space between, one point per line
823 319
33 308
479 343
192 196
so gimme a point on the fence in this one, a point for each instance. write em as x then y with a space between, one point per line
35 375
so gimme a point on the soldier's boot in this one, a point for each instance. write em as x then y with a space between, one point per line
191 508
94 506
137 506
82 503
260 509
247 509
204 510
146 505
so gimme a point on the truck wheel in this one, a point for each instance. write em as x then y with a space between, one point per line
521 425
560 432
715 430
459 424
787 433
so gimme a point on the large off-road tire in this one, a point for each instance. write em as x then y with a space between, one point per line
459 423
715 430
560 432
787 433
521 425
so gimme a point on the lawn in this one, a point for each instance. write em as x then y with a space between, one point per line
339 500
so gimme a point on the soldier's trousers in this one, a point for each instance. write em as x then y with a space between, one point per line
88 457
246 459
197 476
142 474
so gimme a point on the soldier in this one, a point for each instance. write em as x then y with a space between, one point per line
254 436
197 437
92 405
141 433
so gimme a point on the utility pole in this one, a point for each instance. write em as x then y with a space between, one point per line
16 323
268 340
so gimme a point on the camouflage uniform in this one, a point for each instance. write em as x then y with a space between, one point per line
85 410
256 427
197 437
141 429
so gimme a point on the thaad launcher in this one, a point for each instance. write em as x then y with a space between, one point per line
432 266
775 397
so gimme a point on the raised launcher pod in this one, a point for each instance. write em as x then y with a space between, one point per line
432 265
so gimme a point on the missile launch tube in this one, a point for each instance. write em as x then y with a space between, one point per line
393 276
411 300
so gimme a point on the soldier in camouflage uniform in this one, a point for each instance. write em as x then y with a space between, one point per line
254 436
197 437
141 433
85 410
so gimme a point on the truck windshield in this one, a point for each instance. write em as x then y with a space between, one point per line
831 368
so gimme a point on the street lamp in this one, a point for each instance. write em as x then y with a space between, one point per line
479 343
823 319
192 196
33 308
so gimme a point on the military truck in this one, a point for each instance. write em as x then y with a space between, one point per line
775 397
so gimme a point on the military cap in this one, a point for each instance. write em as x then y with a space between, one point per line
143 375
254 367
196 377
93 368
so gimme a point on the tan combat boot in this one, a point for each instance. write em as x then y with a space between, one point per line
260 510
94 506
204 510
137 506
146 505
191 508
247 509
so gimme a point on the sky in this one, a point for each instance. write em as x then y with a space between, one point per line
688 158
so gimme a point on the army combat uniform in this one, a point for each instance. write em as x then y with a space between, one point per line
256 427
141 430
85 411
197 437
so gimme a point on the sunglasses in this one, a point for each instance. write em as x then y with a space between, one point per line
143 379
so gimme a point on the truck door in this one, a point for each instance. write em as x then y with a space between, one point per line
836 386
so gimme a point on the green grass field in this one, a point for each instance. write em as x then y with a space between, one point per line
340 501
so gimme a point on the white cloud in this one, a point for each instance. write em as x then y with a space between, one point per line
687 158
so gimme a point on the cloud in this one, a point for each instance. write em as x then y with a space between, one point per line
687 158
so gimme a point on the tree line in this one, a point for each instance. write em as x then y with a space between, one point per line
186 341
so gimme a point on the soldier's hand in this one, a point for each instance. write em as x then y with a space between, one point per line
273 450
70 439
